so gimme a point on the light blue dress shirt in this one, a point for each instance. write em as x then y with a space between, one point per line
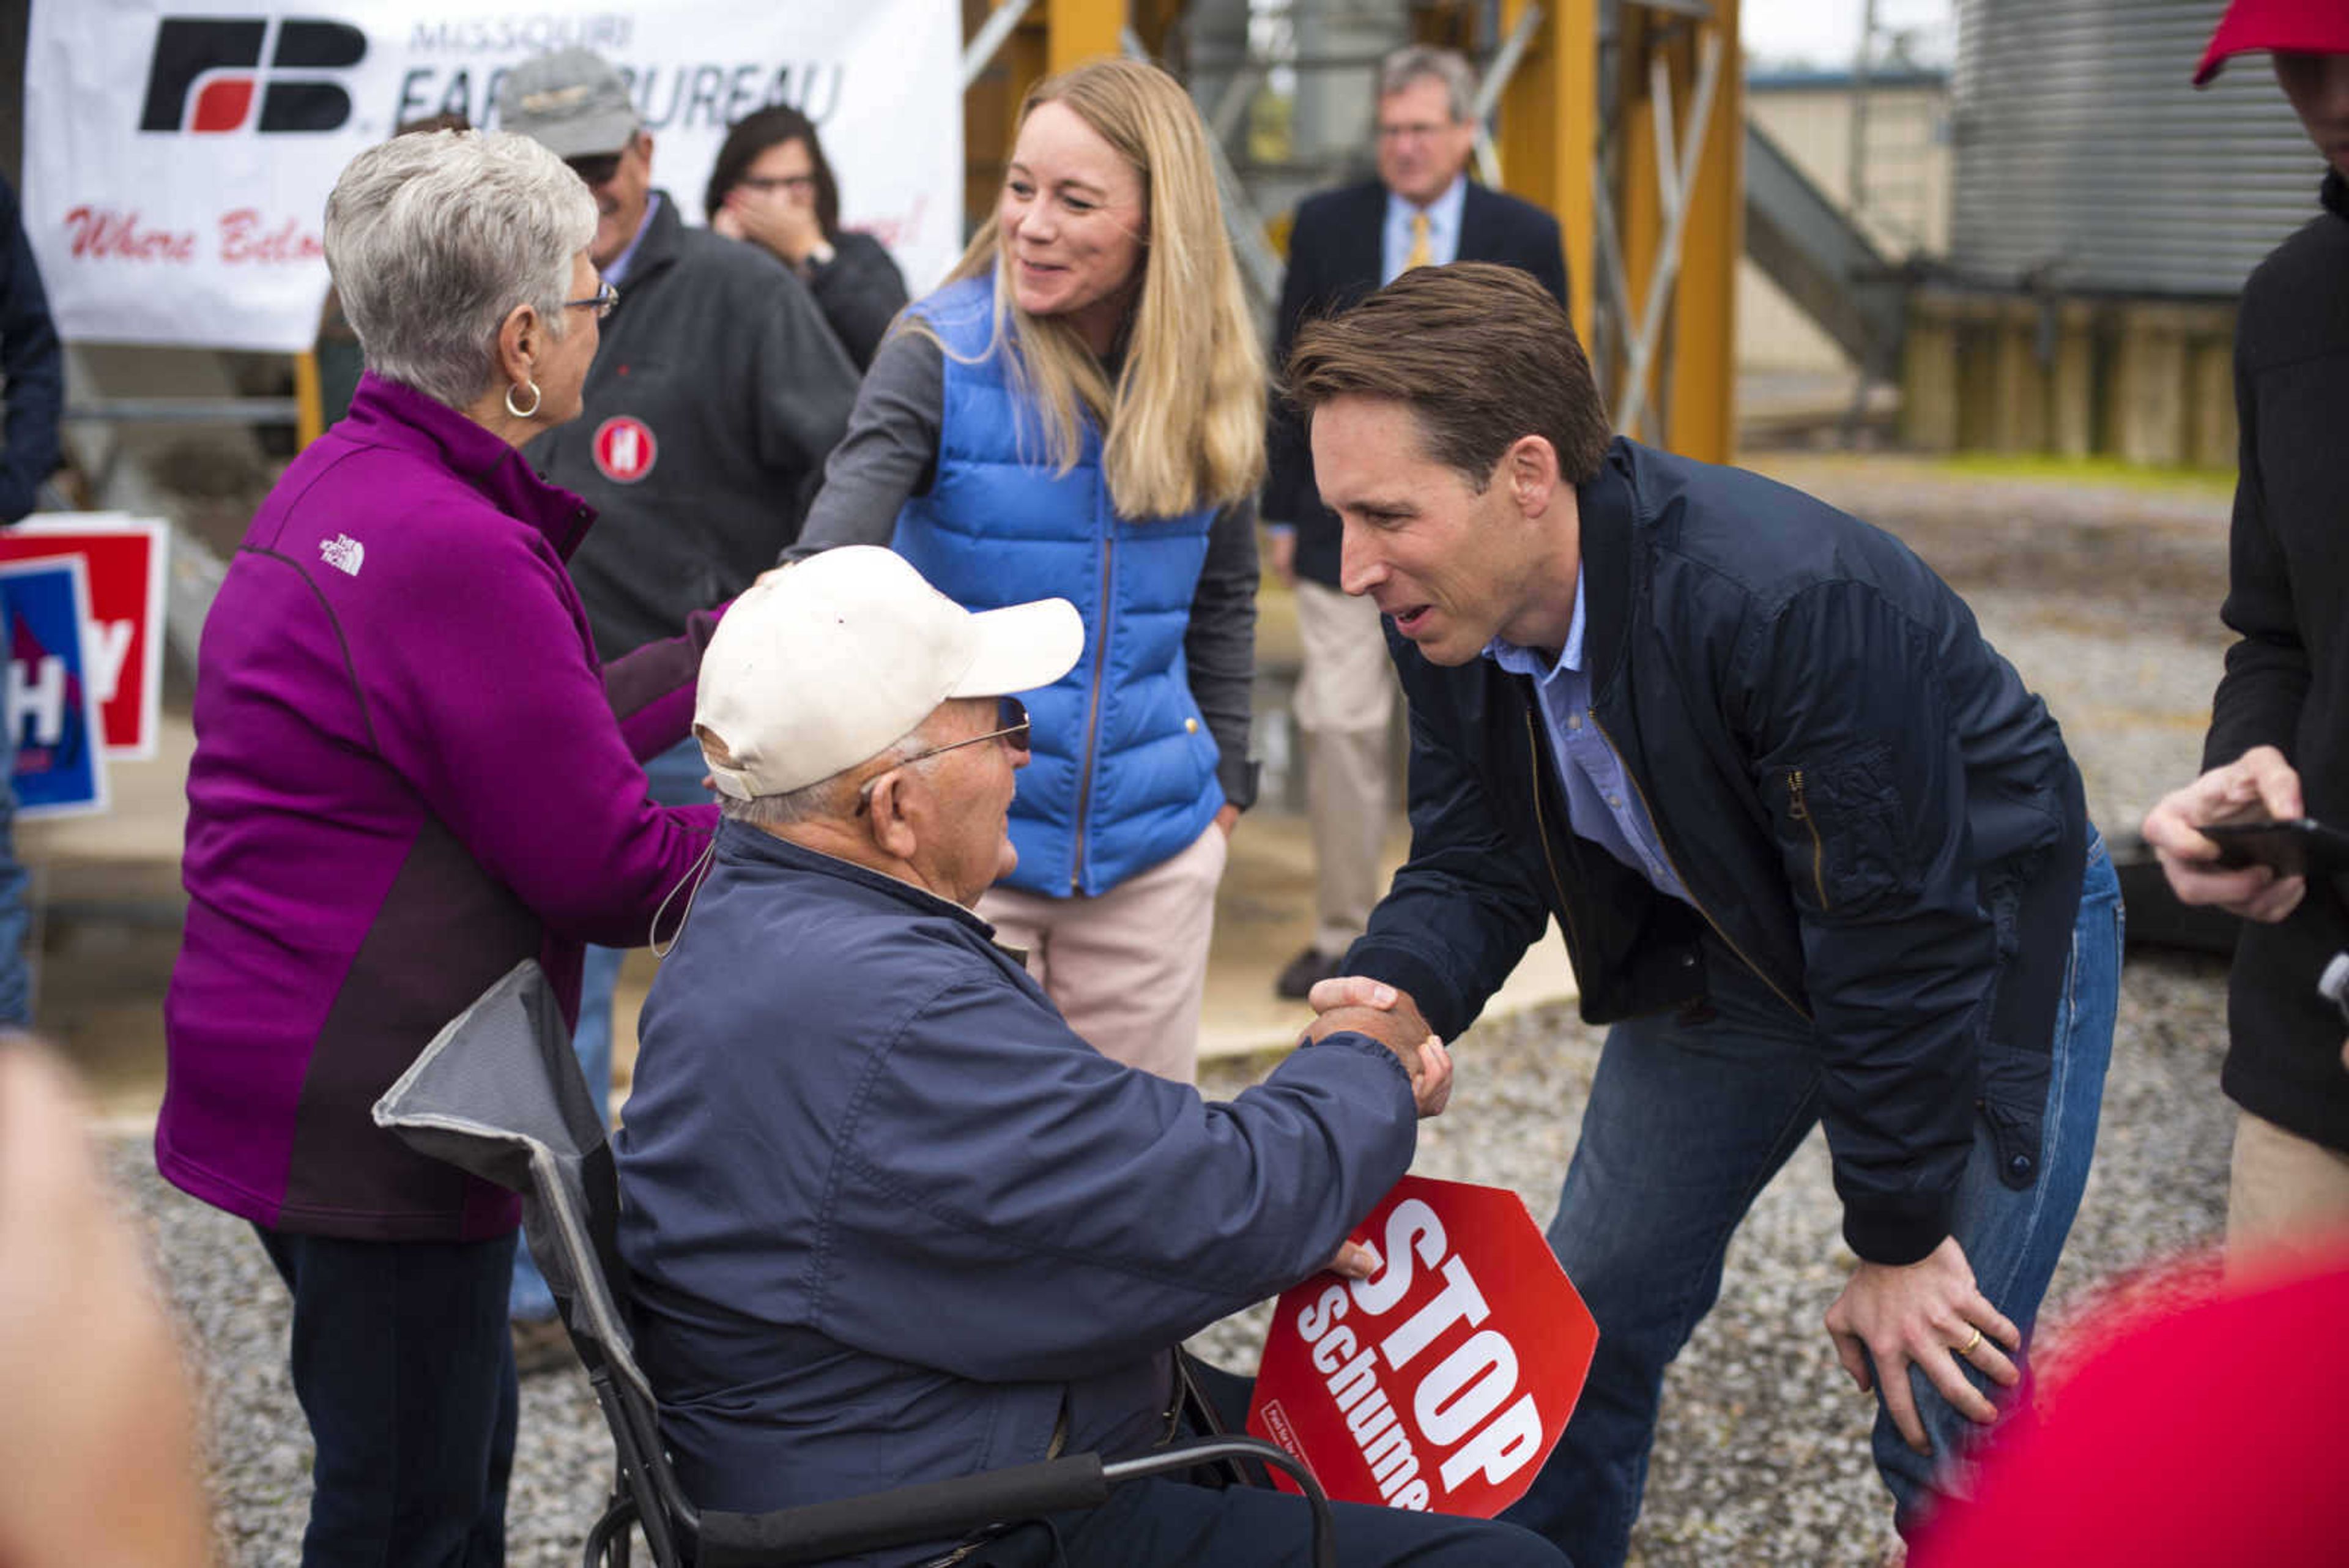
1601 802
1443 229
617 273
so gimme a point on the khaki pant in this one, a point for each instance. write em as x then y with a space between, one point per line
1125 967
2287 1199
1345 700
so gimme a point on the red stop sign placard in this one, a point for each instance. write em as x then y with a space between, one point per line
1442 1381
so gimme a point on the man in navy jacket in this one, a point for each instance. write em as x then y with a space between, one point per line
1423 210
1817 853
890 1220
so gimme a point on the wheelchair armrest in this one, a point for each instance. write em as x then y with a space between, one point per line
935 1511
930 1512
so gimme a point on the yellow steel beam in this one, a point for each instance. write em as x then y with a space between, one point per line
1638 195
309 401
1053 37
1704 401
1080 30
1549 131
1692 381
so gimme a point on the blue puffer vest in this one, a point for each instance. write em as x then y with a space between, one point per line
1122 774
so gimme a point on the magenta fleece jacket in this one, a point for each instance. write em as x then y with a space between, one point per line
407 778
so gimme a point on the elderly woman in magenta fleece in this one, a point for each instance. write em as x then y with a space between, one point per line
410 774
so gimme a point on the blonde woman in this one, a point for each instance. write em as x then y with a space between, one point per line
1080 411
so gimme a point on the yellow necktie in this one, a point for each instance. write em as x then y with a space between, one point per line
1422 251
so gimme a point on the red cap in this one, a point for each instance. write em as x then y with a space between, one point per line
2302 26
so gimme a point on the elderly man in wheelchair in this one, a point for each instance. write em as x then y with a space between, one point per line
888 1219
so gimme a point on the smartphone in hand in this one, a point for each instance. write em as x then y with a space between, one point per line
2291 847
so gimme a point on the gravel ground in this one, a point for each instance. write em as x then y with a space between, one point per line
2104 600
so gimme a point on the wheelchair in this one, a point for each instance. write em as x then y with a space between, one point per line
499 1093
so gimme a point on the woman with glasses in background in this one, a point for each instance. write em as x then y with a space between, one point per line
773 187
1080 412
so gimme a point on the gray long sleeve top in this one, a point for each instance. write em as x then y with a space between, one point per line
890 454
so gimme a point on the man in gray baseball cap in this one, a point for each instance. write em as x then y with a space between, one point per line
715 394
577 105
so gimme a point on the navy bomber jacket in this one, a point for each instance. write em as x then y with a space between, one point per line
1866 804
890 1220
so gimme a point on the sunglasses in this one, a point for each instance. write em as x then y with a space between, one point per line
1012 720
596 169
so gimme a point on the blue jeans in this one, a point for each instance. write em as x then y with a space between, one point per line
672 778
16 917
404 1368
1687 1123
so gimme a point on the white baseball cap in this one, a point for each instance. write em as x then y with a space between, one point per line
825 664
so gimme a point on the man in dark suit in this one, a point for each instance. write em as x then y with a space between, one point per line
1421 211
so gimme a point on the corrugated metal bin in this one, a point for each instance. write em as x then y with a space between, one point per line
2085 162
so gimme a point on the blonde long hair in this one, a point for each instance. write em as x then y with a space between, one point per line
1184 427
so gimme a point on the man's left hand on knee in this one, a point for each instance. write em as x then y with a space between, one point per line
1930 1314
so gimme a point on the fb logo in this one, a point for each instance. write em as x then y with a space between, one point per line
625 450
207 72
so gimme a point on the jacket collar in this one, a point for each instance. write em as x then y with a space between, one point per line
740 843
657 246
1477 237
384 413
1609 511
2335 194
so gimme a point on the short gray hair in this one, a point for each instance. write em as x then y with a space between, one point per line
827 797
1419 62
433 238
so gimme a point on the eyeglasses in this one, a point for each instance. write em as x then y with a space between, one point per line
797 184
604 301
1011 719
596 169
1417 130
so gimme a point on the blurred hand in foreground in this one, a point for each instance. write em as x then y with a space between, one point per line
99 1444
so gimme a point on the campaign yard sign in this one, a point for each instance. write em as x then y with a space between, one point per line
1442 1382
124 646
52 705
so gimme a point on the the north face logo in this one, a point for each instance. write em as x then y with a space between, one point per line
343 554
206 74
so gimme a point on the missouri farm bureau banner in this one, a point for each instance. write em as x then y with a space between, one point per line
178 153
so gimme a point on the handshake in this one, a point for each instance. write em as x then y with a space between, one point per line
1359 1004
1365 1006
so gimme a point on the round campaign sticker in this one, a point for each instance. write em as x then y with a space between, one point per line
624 448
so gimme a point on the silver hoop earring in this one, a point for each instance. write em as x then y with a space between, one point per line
536 398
